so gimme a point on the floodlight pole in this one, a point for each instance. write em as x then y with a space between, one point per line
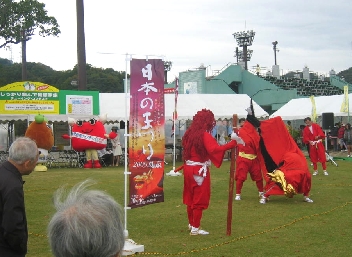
245 39
237 55
245 57
275 50
167 68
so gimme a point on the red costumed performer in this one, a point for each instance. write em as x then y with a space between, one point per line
282 160
247 161
314 135
89 136
200 149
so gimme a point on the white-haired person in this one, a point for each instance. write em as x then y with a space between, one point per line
23 157
87 223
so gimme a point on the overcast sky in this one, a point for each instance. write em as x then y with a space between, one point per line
189 33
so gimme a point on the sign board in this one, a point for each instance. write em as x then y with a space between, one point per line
79 102
37 97
29 98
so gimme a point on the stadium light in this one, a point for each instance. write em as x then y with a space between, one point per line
275 49
245 39
240 57
167 67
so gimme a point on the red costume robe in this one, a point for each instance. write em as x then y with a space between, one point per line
287 157
194 195
316 151
244 165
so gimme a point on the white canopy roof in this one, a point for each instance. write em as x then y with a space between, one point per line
222 105
113 104
301 108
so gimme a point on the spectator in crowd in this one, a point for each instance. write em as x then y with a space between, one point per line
314 135
105 156
347 137
116 147
300 139
289 127
340 134
87 223
23 157
333 136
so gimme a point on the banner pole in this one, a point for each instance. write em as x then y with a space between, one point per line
174 117
174 152
130 247
126 148
231 180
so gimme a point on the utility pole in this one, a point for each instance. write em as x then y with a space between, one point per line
24 57
81 46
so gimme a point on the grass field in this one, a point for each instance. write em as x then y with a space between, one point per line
282 227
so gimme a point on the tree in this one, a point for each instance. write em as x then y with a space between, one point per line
99 79
20 20
6 18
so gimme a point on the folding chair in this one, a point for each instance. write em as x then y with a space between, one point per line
81 159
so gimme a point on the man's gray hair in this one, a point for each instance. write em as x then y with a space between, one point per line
22 150
87 223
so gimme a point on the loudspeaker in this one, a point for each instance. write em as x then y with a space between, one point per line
122 124
327 120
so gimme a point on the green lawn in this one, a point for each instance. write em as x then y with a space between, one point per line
282 227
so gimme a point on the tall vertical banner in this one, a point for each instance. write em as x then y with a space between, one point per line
345 107
147 132
176 96
345 102
314 109
174 114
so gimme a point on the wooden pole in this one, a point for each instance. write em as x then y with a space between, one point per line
231 180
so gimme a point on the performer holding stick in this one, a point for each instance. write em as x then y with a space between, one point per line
200 149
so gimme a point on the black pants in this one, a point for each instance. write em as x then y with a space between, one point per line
107 158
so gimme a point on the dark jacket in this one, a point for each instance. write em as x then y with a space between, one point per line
13 227
347 136
334 131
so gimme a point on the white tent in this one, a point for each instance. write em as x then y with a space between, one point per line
222 105
301 108
113 104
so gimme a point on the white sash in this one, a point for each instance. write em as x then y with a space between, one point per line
203 169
